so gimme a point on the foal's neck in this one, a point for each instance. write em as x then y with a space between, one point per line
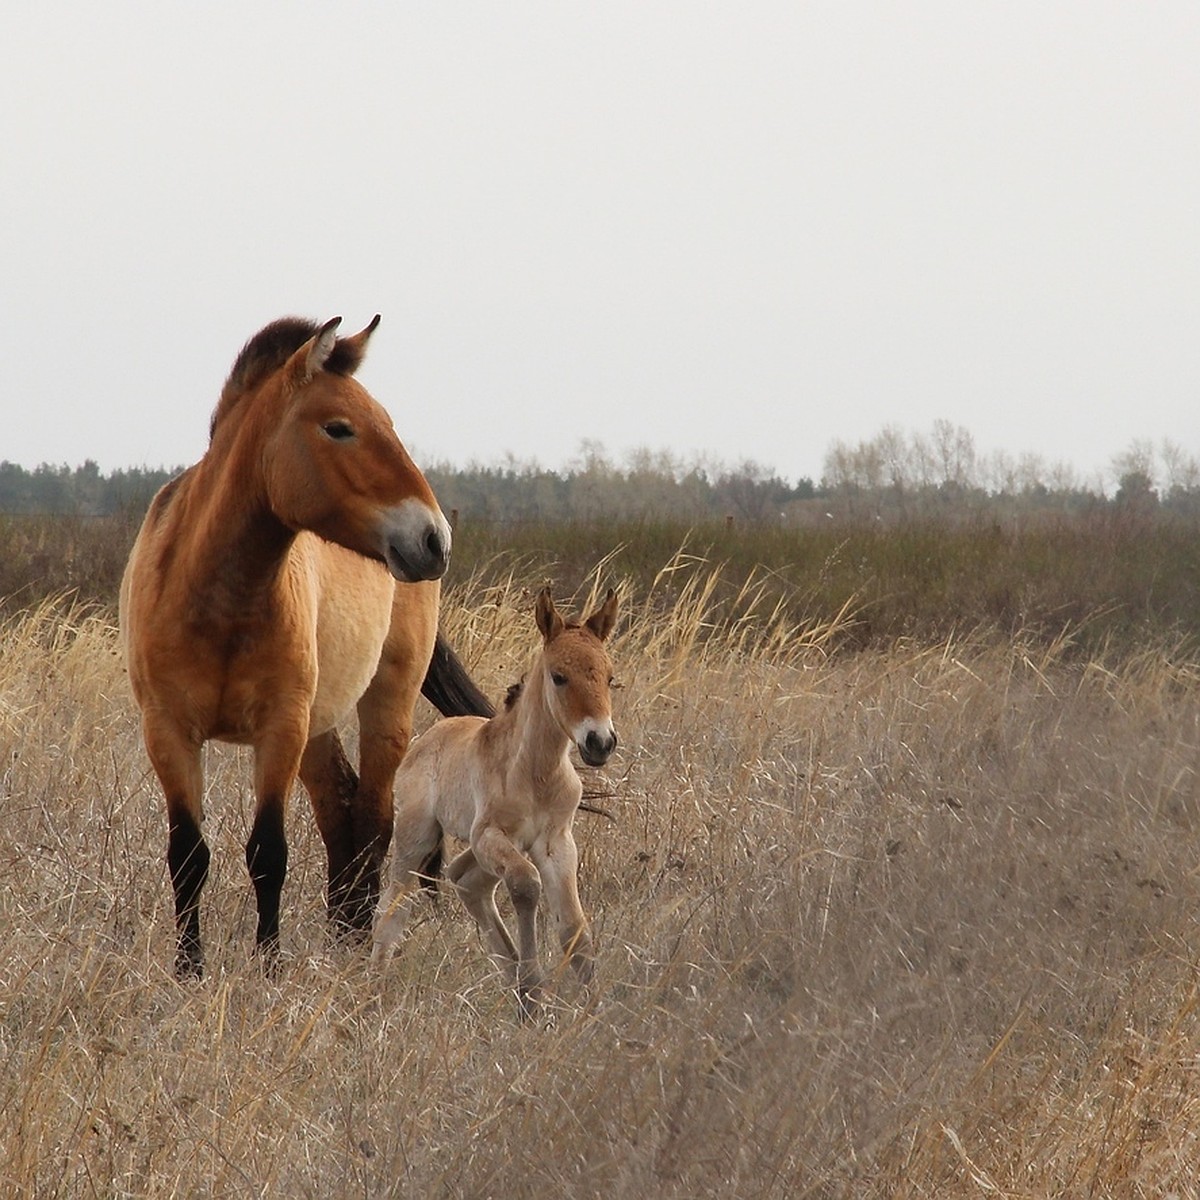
540 743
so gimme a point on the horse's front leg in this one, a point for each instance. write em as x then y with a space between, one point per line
477 890
276 763
498 856
418 835
559 867
176 762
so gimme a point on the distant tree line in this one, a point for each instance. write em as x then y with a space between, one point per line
897 474
78 491
892 476
646 485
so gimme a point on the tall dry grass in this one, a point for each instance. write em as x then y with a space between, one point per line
912 922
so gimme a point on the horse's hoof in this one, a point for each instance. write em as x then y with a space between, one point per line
345 932
188 969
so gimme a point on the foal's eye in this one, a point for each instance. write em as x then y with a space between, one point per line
339 431
557 678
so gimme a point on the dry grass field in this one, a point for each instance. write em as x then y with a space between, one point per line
916 921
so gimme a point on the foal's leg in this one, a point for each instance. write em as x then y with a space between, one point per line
497 855
332 786
478 891
176 762
559 867
417 836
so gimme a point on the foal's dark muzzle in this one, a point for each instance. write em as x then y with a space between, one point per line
596 750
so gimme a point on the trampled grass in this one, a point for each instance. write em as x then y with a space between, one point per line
916 921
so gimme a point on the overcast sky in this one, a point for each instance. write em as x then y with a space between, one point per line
742 230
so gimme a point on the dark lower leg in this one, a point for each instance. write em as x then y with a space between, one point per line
187 860
372 837
266 859
332 786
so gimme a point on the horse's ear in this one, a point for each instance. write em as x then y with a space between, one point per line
314 354
352 349
601 622
546 615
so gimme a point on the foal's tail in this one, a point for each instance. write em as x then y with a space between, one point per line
430 870
450 689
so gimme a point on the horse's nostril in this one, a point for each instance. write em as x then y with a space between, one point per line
598 747
435 545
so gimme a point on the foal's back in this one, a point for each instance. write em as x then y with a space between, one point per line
445 772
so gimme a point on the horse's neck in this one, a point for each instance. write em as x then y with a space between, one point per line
239 544
539 744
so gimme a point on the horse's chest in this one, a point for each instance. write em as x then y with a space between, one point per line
262 684
532 819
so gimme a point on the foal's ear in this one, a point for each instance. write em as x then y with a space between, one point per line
350 350
546 615
601 622
314 354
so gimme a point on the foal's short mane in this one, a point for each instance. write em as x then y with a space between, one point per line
267 351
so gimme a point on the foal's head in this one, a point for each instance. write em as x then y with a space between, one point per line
331 460
578 676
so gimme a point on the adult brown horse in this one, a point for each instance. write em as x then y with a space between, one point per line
288 576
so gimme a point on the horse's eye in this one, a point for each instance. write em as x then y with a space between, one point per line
340 431
557 679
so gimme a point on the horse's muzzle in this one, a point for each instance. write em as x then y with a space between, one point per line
595 749
427 560
418 546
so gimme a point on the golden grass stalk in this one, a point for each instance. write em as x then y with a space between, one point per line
906 922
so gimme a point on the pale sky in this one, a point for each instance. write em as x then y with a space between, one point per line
740 230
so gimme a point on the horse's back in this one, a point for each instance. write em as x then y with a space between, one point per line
447 745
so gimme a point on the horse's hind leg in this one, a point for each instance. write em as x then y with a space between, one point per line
332 785
176 762
418 839
385 715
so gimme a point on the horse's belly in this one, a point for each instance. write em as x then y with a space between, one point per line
353 614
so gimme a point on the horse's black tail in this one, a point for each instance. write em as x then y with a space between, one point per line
450 689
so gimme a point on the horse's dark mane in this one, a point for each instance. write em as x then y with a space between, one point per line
513 694
267 351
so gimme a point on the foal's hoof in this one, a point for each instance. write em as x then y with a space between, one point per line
530 997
